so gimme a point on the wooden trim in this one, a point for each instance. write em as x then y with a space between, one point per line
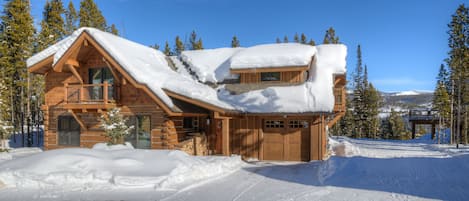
84 37
226 137
82 124
195 102
47 62
269 69
72 62
75 72
335 119
74 47
113 72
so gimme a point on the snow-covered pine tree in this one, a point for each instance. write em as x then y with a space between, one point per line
179 46
235 42
167 49
115 126
285 39
330 37
71 18
91 16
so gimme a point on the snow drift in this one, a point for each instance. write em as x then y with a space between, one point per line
113 167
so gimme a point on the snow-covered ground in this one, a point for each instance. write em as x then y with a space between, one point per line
357 170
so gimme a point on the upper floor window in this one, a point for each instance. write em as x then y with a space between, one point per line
270 76
338 96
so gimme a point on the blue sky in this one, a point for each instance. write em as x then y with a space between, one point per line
403 41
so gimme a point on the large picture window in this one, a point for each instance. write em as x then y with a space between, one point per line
140 136
270 76
99 76
68 131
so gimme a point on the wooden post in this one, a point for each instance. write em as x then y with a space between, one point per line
105 92
66 92
413 130
82 94
226 136
433 131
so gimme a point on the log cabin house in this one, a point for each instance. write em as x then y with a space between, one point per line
268 102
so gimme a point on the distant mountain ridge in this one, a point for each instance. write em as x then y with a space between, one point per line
406 100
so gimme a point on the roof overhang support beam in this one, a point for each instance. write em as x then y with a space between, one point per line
79 120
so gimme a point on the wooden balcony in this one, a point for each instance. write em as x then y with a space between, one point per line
90 96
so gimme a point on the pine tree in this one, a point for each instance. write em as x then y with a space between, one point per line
330 37
179 46
71 19
155 46
303 39
194 42
278 40
235 42
115 126
312 43
114 30
458 62
296 38
372 100
285 39
17 39
397 125
443 77
358 91
52 24
167 49
441 103
91 16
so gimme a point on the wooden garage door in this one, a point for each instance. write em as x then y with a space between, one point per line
286 140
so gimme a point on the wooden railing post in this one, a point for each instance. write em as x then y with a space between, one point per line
105 92
82 94
66 93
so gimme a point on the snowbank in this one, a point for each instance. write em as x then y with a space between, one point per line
273 55
343 148
210 65
105 146
113 167
18 152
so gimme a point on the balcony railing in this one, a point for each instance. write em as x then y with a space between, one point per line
90 93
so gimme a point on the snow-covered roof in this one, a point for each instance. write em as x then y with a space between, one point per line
273 55
210 65
146 65
150 67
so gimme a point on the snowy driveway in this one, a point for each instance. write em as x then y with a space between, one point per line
370 170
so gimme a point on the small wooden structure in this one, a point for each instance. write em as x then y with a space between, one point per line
428 117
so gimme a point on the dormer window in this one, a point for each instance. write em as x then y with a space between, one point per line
270 76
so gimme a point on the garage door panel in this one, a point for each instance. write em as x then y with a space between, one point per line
273 146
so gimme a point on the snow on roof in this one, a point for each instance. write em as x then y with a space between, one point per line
210 65
273 55
315 95
149 66
146 65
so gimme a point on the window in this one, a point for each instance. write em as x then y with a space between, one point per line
298 124
191 123
99 76
68 131
274 124
270 76
140 136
